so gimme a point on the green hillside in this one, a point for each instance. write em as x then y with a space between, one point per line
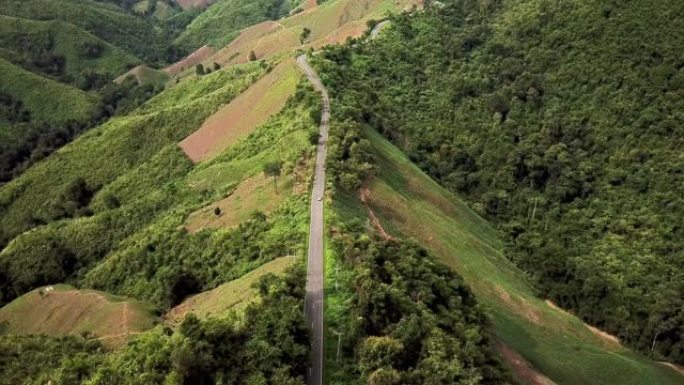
54 103
223 20
558 122
107 212
408 204
62 52
107 21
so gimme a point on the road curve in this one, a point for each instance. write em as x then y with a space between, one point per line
313 306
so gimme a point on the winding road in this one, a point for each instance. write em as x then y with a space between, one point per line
315 278
313 307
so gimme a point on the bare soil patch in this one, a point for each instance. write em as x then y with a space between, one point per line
72 312
243 114
187 4
522 369
190 61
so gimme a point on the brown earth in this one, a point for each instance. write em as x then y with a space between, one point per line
522 370
66 311
190 61
243 114
364 194
186 4
309 4
144 74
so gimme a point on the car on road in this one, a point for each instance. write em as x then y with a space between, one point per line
319 199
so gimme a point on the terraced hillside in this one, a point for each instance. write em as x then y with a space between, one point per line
120 230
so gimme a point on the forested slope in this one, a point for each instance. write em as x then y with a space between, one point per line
561 123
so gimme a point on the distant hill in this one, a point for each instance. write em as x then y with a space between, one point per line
62 51
107 21
47 100
223 20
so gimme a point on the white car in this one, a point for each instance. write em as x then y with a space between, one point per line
319 199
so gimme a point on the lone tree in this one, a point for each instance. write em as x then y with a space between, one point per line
304 35
252 56
217 66
217 211
199 69
273 169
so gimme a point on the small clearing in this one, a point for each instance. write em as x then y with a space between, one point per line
256 193
232 295
63 310
190 61
187 4
243 114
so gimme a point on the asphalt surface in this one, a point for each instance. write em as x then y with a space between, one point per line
314 277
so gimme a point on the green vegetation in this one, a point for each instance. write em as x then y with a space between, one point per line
223 20
53 103
117 224
266 345
111 23
60 51
558 122
401 318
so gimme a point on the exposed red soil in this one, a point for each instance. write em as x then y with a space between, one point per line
308 4
242 115
186 4
191 60
364 194
238 50
522 369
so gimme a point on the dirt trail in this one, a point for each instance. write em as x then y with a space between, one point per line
604 336
522 369
364 194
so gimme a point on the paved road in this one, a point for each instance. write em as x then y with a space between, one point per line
314 277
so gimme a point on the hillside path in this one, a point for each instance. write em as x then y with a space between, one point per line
313 306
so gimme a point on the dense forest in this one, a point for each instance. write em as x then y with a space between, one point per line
407 318
561 123
268 345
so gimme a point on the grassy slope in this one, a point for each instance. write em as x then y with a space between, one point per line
68 311
222 21
104 20
232 295
114 149
68 41
55 102
331 22
409 203
144 74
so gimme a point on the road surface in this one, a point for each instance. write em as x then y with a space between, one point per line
313 306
